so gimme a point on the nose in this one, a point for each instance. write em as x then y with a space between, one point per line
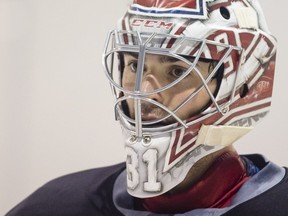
149 84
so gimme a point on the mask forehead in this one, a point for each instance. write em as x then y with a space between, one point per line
190 8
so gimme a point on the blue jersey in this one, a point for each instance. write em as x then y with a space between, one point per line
102 192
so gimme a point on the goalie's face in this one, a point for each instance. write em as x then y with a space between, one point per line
159 71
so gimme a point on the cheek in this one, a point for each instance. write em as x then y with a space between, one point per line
192 106
174 99
128 81
128 84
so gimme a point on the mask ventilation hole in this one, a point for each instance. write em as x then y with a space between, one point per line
243 90
225 13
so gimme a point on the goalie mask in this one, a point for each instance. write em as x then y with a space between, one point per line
189 78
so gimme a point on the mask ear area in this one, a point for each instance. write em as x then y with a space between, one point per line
244 90
219 77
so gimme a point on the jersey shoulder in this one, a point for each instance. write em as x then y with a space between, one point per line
87 192
271 202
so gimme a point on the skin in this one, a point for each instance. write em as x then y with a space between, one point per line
158 72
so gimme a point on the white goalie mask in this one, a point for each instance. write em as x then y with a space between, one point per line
219 52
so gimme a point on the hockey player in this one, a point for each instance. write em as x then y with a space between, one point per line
189 78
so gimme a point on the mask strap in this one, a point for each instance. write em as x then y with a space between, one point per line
223 135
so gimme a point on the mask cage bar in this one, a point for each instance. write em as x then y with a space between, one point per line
137 96
160 51
172 113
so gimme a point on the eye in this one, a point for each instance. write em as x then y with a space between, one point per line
177 72
133 66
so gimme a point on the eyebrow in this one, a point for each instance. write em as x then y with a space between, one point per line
163 59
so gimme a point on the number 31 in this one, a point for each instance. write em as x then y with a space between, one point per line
150 158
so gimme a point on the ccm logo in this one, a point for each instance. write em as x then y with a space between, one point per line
151 23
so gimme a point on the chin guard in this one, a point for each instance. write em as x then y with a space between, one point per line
147 171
